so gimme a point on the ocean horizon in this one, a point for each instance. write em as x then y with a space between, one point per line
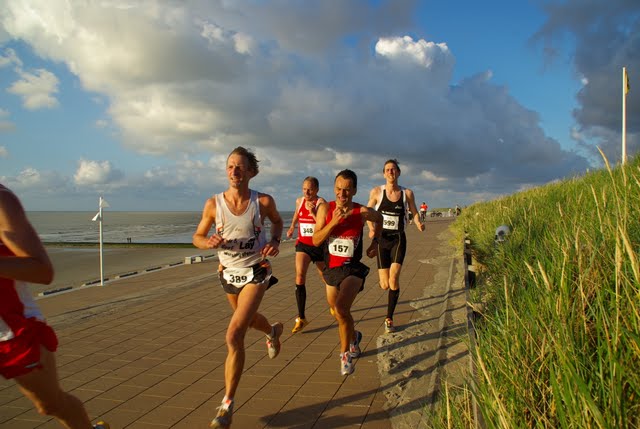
121 226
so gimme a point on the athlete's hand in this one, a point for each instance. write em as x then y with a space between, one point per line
372 250
290 232
272 248
421 226
214 241
340 214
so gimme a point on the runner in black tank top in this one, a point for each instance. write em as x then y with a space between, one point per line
393 202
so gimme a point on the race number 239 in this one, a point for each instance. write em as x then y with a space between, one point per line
341 247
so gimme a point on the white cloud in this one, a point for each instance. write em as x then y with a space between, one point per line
36 89
95 173
199 78
4 153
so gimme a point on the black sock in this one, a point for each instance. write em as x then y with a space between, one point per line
301 299
393 301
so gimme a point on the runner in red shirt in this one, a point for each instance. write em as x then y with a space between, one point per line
306 252
339 230
27 343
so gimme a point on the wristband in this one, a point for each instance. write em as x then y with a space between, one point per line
276 239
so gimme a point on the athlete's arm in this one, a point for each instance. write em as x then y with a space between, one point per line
269 211
295 218
31 262
201 239
373 200
323 229
373 217
412 206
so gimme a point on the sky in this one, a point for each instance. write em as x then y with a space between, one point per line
142 101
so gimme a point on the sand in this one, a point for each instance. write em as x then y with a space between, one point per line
75 266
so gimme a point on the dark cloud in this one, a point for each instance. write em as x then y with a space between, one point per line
607 38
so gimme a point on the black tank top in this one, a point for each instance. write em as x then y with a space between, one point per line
393 214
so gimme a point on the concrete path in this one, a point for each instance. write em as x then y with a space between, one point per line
149 351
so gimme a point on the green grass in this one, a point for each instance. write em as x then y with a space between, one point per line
558 345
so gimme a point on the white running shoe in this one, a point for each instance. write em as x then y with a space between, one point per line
346 365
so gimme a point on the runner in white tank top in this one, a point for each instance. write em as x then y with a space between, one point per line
238 215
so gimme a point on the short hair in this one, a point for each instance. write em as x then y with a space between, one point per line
313 181
349 175
251 157
392 161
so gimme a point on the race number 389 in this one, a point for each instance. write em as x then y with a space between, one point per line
238 276
341 247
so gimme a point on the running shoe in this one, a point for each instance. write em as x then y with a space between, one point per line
388 326
101 425
273 342
300 324
354 347
223 419
346 365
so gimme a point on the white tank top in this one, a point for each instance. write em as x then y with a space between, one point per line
244 235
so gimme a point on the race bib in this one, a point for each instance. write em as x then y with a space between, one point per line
307 229
390 222
238 277
342 247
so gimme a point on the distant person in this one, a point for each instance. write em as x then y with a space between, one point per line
239 214
423 212
339 229
27 343
306 252
458 210
393 202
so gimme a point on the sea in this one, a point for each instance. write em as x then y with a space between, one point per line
121 227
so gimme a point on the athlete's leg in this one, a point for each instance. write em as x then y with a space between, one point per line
302 265
41 386
245 313
349 289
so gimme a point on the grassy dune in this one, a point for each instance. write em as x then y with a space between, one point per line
558 344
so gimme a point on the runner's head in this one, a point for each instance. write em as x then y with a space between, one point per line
310 187
391 170
345 187
242 165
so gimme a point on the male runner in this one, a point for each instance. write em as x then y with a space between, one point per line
306 252
339 229
27 343
393 202
239 214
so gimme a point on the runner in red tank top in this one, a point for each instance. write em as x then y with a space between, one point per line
27 344
339 230
306 252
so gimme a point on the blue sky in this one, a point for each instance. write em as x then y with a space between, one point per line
141 101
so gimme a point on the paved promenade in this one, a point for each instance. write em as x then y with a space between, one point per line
148 351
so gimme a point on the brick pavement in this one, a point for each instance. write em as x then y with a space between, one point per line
148 351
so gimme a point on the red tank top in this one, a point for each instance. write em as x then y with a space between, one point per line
306 224
344 244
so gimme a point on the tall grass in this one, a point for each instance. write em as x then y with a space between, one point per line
559 342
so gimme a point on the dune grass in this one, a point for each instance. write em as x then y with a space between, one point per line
558 344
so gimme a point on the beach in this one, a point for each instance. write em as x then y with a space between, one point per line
75 266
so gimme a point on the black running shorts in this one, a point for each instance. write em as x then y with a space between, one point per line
335 276
391 250
315 253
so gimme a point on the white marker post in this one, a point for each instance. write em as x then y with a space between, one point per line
98 217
